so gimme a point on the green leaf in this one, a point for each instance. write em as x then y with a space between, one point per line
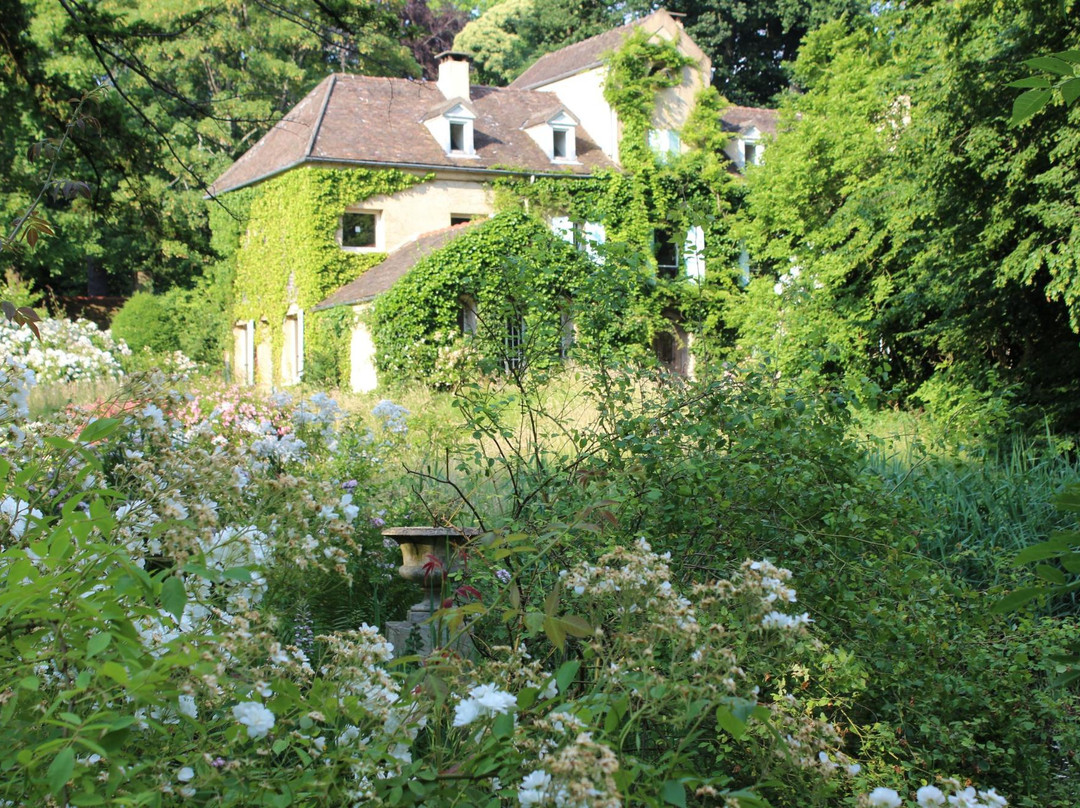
98 643
1014 600
1071 56
1050 64
553 627
116 672
173 596
30 683
87 798
566 674
576 626
526 697
674 793
727 720
60 769
503 727
1068 500
1027 104
1030 81
98 429
1039 552
1050 574
551 602
1070 91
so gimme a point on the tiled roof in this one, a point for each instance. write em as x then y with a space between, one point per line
741 119
382 276
574 58
362 120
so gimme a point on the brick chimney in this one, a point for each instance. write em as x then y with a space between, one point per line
453 79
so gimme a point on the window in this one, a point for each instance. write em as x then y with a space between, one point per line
750 154
358 230
666 250
514 343
457 137
665 143
558 144
464 218
467 315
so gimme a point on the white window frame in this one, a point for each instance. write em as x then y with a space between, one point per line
569 134
467 135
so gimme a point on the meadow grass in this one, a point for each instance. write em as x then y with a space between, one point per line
979 504
47 399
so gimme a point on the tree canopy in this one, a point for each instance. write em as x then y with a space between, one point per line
911 238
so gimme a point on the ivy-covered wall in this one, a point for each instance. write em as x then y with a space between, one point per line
284 242
654 193
512 268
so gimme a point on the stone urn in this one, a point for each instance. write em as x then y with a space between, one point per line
427 553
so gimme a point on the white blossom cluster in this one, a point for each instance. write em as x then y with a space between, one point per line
14 514
67 352
931 796
484 701
257 718
16 382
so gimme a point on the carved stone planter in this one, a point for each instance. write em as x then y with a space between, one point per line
427 554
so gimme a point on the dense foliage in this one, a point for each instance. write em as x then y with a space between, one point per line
191 85
912 240
191 580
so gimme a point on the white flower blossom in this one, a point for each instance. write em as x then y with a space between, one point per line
533 788
883 798
257 718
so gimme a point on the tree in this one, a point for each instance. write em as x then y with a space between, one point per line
512 34
750 41
193 85
935 245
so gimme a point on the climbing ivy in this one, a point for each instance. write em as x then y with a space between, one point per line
640 69
286 249
513 270
670 193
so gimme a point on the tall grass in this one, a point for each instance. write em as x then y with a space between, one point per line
45 400
973 507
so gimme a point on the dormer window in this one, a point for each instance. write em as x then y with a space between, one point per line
457 137
555 131
451 124
558 144
751 155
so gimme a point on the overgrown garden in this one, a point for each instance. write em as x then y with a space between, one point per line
838 568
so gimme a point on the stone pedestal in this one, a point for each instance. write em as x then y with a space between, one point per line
428 553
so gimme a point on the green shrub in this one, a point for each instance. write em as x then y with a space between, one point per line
147 321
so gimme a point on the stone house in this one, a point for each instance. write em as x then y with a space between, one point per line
455 138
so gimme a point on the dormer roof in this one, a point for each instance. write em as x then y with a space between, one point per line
742 120
557 114
453 108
